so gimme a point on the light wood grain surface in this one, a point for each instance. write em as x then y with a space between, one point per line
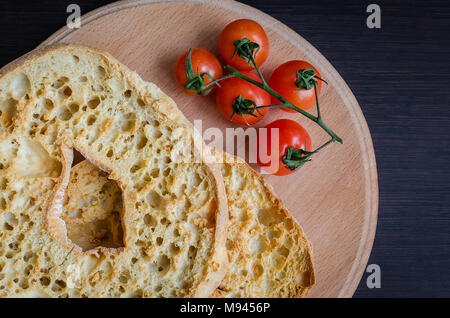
334 197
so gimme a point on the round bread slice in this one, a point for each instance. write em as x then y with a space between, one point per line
269 254
174 216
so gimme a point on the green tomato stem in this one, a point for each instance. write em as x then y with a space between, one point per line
318 120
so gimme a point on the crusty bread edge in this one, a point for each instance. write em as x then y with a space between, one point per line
219 258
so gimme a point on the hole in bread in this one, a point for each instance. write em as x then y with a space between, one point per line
150 220
64 114
91 120
94 102
192 252
48 104
67 92
60 82
101 72
257 245
164 221
8 110
136 167
174 249
258 270
45 281
155 200
304 279
157 134
141 141
154 173
283 251
20 86
129 122
74 107
60 283
127 93
277 260
124 277
163 264
269 216
92 207
97 88
281 275
3 183
166 172
2 203
140 102
158 288
77 157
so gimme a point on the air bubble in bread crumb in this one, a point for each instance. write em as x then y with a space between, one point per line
258 270
74 107
64 114
140 102
59 82
100 72
10 221
20 86
94 102
141 142
67 92
91 120
8 110
97 88
45 281
150 220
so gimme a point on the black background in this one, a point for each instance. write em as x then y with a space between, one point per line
400 75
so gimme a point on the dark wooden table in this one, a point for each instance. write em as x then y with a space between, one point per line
400 75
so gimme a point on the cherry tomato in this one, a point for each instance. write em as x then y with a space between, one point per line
202 61
238 30
291 135
231 88
283 81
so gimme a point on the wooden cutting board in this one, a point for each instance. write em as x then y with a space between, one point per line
334 197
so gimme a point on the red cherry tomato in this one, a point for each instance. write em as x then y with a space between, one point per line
238 30
283 81
233 87
202 61
290 134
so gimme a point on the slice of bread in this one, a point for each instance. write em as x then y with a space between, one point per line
174 214
269 254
